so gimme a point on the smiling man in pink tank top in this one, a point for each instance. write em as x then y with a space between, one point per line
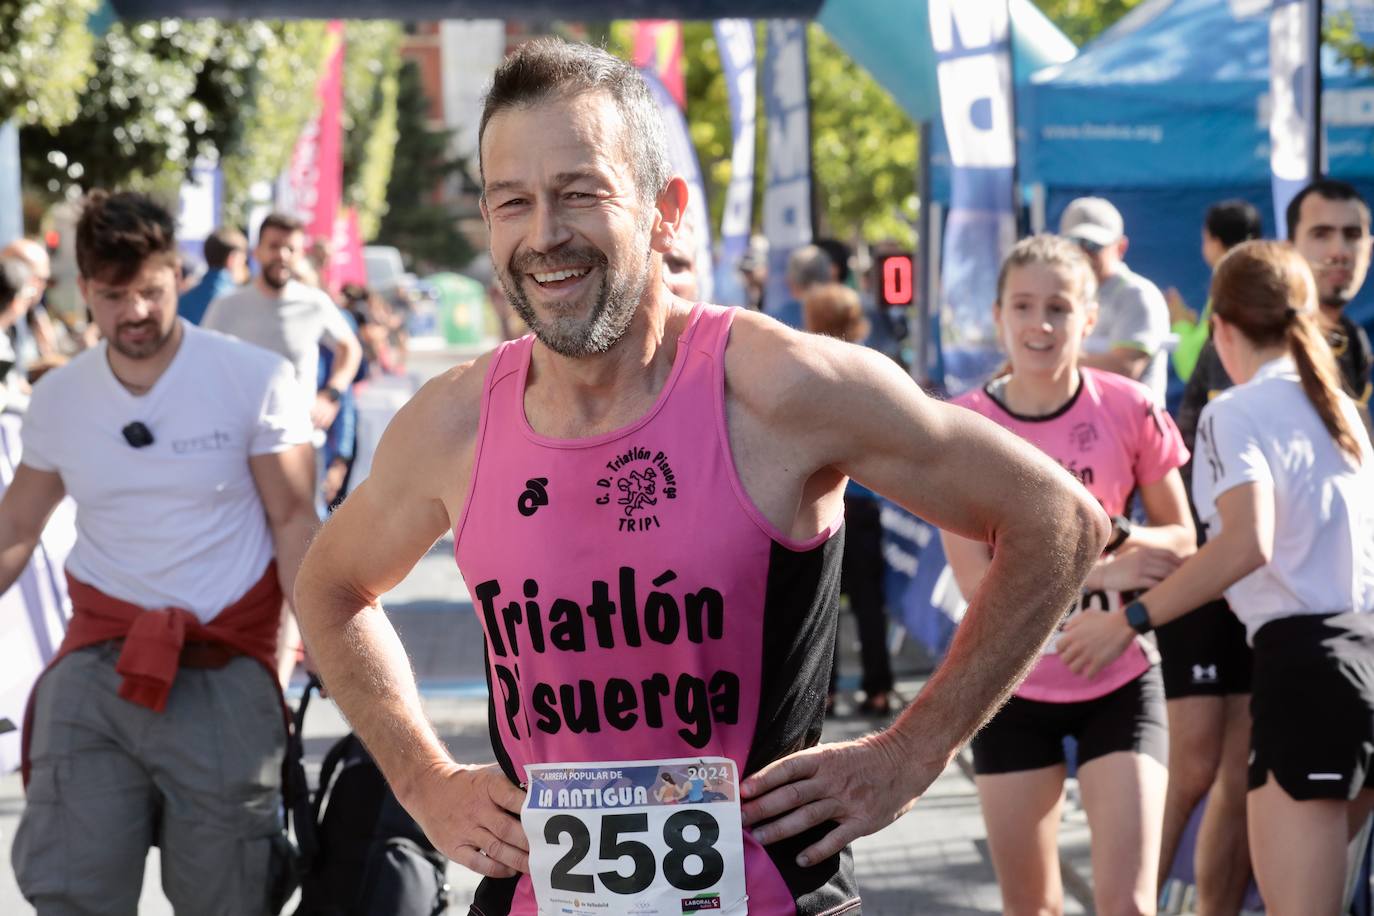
646 499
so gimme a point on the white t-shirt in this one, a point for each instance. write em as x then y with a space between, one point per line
1131 312
1267 432
294 324
178 523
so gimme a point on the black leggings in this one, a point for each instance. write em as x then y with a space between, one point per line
861 578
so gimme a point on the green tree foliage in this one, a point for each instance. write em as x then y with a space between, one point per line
1084 20
425 230
372 63
45 59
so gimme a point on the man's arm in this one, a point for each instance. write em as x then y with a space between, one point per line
286 483
29 502
843 408
348 354
411 497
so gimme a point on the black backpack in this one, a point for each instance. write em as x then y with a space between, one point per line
362 854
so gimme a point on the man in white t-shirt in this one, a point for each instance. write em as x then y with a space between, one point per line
1132 327
161 719
288 317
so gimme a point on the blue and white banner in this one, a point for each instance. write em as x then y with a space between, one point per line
972 46
1294 84
735 41
787 193
198 209
683 157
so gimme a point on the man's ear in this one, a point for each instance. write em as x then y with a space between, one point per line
1122 244
671 207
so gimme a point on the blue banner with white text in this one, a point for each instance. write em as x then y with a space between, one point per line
787 192
683 156
735 40
972 46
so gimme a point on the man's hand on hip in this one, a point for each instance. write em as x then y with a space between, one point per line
861 785
472 815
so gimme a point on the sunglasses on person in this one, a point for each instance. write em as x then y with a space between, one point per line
1089 247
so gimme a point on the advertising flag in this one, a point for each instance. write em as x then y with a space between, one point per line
735 40
313 186
972 46
1295 137
658 49
787 216
683 157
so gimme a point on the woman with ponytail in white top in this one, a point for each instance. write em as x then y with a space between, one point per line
1284 481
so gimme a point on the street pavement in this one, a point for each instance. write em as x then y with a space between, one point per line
931 861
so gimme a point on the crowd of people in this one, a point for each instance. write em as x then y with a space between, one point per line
656 505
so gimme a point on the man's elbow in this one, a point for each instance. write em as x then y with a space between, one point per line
1090 520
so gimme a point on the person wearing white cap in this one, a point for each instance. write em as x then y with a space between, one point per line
1132 316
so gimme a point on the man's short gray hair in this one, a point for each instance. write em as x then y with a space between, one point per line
807 266
549 68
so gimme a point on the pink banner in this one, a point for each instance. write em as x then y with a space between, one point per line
347 265
658 48
313 189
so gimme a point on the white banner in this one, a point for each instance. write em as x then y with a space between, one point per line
1294 87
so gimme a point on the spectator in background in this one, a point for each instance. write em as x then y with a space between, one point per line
679 263
35 337
1132 317
753 268
16 298
1225 226
807 266
283 315
226 260
833 309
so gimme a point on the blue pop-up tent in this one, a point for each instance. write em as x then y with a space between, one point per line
1166 113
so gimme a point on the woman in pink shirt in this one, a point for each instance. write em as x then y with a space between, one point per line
1107 431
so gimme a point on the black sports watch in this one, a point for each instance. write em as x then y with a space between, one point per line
1138 616
332 393
1121 530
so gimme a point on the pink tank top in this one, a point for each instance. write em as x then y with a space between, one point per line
1113 437
637 606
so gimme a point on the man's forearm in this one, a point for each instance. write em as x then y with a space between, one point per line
348 356
1035 576
290 539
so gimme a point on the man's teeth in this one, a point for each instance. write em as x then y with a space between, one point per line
557 275
1038 347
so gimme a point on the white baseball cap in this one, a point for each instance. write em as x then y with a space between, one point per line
1093 220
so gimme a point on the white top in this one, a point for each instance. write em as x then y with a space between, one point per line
1267 432
180 522
1131 312
294 324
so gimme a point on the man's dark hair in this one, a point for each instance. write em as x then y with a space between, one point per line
221 243
549 68
118 232
839 253
1232 222
15 274
1327 189
283 221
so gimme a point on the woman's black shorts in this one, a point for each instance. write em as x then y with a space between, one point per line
1029 734
1204 653
1312 706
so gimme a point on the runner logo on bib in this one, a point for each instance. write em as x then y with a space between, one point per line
657 838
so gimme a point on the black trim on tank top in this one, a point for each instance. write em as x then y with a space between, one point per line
494 896
1056 414
801 609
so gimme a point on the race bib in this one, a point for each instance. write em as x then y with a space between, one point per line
1100 600
640 838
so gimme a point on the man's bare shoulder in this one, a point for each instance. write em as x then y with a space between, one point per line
778 371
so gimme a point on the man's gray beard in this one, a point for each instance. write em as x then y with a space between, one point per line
611 315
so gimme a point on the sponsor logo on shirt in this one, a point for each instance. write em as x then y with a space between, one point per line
536 495
1084 435
210 442
638 479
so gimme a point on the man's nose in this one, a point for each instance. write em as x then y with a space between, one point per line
548 229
